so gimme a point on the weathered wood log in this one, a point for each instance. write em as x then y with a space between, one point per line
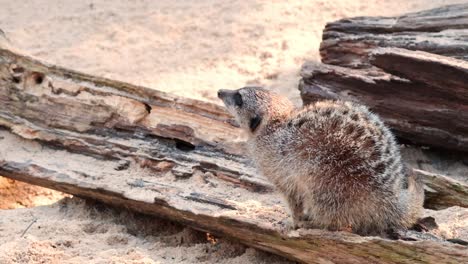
450 191
431 108
425 100
348 42
445 174
159 154
446 76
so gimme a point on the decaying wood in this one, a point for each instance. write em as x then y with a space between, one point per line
449 191
425 101
173 157
448 77
444 31
421 94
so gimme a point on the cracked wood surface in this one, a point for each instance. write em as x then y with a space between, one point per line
420 94
164 155
444 31
423 97
421 90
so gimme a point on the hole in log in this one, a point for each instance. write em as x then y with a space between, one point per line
16 79
148 108
458 241
123 165
18 69
183 145
38 77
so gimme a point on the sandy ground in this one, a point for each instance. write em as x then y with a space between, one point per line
75 231
16 194
190 48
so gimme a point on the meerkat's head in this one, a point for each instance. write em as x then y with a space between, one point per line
254 106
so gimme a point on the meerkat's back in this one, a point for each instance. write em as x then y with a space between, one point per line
341 166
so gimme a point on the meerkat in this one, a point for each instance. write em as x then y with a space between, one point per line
336 163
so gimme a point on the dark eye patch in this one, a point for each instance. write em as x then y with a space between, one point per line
254 122
238 99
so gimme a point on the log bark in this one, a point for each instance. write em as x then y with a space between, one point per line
420 90
425 101
446 76
444 31
164 155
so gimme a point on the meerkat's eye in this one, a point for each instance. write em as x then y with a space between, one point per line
238 99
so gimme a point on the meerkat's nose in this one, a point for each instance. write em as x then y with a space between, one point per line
222 93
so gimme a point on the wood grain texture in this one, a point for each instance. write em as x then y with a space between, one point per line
164 155
446 76
444 31
414 99
411 69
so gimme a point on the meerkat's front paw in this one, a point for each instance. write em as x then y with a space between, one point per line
293 225
302 224
347 228
298 224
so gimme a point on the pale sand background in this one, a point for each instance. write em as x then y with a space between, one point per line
190 48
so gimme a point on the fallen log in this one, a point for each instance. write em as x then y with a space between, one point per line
416 102
163 155
449 191
421 94
447 77
444 31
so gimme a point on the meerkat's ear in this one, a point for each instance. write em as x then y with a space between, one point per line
254 122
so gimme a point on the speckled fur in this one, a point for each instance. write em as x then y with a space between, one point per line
335 162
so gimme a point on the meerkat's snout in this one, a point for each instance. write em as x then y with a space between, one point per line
222 93
230 97
252 105
241 106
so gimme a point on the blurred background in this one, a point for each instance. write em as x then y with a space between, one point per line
190 48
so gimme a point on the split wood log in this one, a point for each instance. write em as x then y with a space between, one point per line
444 31
163 155
425 102
449 191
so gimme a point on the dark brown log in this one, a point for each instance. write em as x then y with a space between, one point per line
160 154
348 42
446 76
431 108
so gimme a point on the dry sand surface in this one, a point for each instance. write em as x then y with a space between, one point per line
73 231
190 48
16 194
